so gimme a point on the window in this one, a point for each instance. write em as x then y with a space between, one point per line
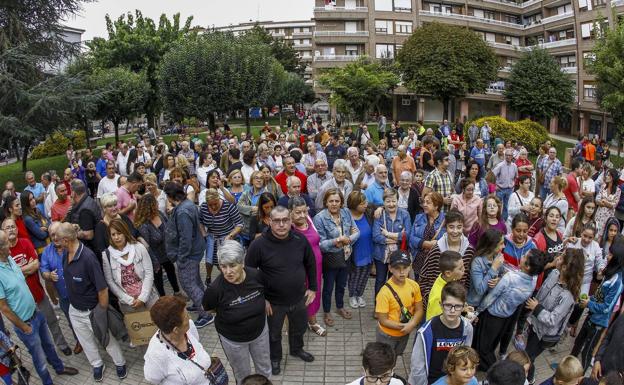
510 61
588 58
567 61
511 19
488 15
383 27
351 50
350 4
490 37
533 19
406 101
478 13
403 5
329 51
384 51
403 27
564 9
589 92
591 30
350 26
599 3
512 40
305 29
306 53
383 5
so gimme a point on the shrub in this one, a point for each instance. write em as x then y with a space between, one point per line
57 142
526 132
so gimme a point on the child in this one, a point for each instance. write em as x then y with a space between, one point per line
486 266
460 366
378 361
523 359
399 307
569 371
419 184
462 157
498 306
506 372
439 335
600 304
256 379
451 269
490 178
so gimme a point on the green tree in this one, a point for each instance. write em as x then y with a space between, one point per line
124 94
608 68
360 86
537 87
289 88
137 43
197 77
281 49
447 62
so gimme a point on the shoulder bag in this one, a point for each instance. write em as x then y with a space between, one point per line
406 316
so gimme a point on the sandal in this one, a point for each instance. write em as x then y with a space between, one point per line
344 313
318 329
329 321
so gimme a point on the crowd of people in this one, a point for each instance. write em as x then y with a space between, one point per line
473 247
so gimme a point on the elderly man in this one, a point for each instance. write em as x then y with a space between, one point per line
367 177
51 268
506 173
122 160
84 214
355 165
440 180
37 189
497 157
309 159
62 204
189 154
294 190
291 170
374 192
316 180
18 306
285 258
338 181
87 289
108 184
548 168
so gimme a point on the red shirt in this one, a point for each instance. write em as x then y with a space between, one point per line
570 190
282 177
59 209
23 253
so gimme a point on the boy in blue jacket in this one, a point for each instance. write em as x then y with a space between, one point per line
439 335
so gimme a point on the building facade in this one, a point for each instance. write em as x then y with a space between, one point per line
343 30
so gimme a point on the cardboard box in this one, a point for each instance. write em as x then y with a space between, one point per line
140 327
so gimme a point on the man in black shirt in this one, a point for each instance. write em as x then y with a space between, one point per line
84 213
286 260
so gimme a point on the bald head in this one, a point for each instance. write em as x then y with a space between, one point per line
67 231
4 245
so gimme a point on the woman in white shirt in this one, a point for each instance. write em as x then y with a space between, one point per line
519 201
585 181
174 355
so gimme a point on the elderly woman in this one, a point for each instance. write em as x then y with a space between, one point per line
241 324
128 269
302 223
151 186
362 260
427 229
152 226
110 211
264 157
389 231
468 204
35 221
409 196
174 355
338 231
222 222
237 184
525 167
248 204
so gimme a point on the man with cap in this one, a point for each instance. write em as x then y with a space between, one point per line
399 307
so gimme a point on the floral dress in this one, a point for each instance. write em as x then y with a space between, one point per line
604 213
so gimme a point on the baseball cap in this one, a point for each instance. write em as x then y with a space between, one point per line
400 257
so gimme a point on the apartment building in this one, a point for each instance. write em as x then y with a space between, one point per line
347 29
300 33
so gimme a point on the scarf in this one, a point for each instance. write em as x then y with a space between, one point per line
118 255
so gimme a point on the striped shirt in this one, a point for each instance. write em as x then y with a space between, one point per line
221 223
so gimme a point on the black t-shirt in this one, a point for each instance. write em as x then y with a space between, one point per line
426 159
84 279
240 308
553 247
444 339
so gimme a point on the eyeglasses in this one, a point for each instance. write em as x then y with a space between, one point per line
283 221
384 378
451 307
11 227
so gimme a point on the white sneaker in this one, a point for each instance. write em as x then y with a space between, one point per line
353 302
361 302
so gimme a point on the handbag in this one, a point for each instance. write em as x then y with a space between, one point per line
406 316
541 176
393 247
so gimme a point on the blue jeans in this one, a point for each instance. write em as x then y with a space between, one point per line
331 277
382 275
544 191
41 348
503 194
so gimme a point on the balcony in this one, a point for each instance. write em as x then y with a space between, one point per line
569 69
558 43
340 13
458 16
338 37
302 34
335 58
278 34
512 47
496 88
514 4
302 46
561 16
341 33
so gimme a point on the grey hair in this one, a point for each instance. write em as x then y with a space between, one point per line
231 253
407 174
340 164
353 150
108 199
78 186
291 179
296 202
29 173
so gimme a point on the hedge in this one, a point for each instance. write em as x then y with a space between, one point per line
526 132
56 144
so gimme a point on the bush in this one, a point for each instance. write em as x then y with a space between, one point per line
56 144
526 132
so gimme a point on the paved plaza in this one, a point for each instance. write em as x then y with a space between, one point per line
338 355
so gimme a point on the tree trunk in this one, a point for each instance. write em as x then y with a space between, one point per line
247 123
211 121
116 124
16 149
127 125
280 114
445 102
85 126
25 156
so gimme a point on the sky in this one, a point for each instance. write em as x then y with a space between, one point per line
205 12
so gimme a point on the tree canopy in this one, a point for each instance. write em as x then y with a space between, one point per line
359 86
282 50
608 67
447 62
138 43
537 87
